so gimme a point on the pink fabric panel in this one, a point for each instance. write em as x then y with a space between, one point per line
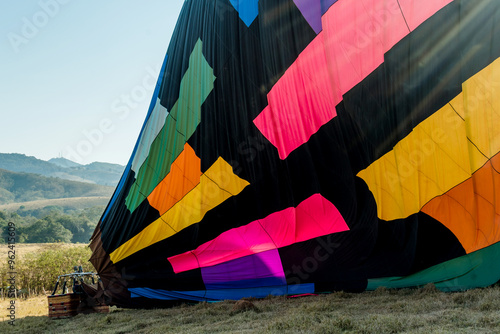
416 12
355 37
301 102
314 217
359 33
246 240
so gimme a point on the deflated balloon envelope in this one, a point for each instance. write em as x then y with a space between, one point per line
303 146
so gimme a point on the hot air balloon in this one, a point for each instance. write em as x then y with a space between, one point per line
306 146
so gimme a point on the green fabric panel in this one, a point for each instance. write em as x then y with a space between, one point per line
144 174
477 269
182 119
138 198
180 125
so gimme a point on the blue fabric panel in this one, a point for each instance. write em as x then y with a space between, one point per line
235 294
248 10
157 88
248 283
118 188
222 294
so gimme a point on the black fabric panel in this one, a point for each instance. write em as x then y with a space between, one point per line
402 247
120 225
405 246
347 286
150 268
435 244
283 35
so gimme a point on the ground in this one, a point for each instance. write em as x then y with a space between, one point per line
424 310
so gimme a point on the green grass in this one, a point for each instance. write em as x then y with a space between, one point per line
37 266
382 311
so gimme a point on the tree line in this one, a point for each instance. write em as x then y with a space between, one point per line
51 224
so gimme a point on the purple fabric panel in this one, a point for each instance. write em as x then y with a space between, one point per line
326 4
311 10
261 268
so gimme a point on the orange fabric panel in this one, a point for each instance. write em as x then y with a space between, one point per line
184 175
471 210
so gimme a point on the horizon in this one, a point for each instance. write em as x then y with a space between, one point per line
60 157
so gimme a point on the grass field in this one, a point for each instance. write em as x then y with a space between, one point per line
24 249
424 310
37 266
383 311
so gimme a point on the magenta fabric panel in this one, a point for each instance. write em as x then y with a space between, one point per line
261 269
239 242
416 12
314 217
352 44
301 102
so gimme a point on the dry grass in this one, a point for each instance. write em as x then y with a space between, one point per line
36 248
24 249
37 266
31 307
381 311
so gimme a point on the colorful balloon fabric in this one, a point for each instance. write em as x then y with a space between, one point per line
307 146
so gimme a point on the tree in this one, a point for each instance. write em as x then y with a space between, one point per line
47 230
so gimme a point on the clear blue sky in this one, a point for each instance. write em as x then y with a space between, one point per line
76 77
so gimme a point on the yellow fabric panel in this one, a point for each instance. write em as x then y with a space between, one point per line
216 185
482 109
458 106
150 235
428 162
476 158
442 151
222 173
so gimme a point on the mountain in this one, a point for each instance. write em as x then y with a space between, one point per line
22 187
97 172
62 162
21 163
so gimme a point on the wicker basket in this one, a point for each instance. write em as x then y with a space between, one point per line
63 306
71 304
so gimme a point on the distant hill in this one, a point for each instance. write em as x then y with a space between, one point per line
22 187
97 172
62 162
